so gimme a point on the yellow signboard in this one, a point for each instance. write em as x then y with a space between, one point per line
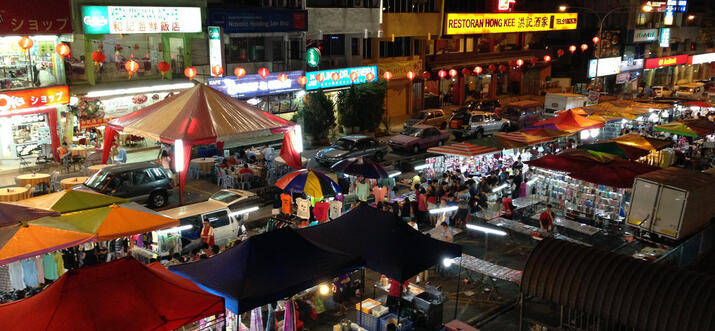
458 23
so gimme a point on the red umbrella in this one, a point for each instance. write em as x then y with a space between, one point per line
560 163
617 173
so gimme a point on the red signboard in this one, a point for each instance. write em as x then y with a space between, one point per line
25 99
665 61
43 17
93 123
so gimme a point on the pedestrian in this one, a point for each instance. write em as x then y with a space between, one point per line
406 210
462 216
546 220
422 207
207 234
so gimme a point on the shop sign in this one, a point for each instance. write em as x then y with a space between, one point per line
469 23
702 58
627 77
343 79
658 6
505 5
94 112
664 37
127 20
259 20
399 69
631 65
312 56
45 17
215 52
665 61
669 10
26 99
642 35
606 66
253 85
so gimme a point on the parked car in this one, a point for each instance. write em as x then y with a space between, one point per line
351 146
488 105
434 117
661 91
478 124
419 137
522 114
691 91
143 182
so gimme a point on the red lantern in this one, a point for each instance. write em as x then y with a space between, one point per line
302 80
282 77
426 75
98 57
370 76
533 61
502 68
584 47
465 71
217 70
132 67
560 52
572 49
478 70
335 76
547 58
163 68
62 49
25 43
320 77
263 72
387 75
452 73
519 62
190 72
442 74
492 67
596 39
239 72
353 76
410 75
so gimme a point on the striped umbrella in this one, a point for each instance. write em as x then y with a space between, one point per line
360 166
314 183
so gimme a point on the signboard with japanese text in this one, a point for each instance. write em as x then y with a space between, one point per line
326 80
45 17
125 19
259 20
702 58
606 66
666 61
643 35
26 99
469 23
253 85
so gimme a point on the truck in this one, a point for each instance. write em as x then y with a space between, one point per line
556 102
673 203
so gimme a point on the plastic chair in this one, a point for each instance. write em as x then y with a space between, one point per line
246 179
224 180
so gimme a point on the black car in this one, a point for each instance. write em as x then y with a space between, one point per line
351 146
144 182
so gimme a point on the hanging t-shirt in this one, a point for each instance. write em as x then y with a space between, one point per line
286 203
321 211
61 264
50 266
5 283
336 209
303 208
362 190
29 272
16 276
40 269
379 193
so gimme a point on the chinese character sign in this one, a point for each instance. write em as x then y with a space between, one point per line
457 23
19 100
45 17
126 20
324 78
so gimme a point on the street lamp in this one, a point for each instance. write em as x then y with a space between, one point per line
691 17
562 8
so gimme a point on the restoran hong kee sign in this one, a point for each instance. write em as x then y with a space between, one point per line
665 61
460 23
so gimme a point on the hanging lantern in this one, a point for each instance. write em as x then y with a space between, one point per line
452 73
282 77
492 67
584 47
62 49
98 57
478 70
353 76
572 49
335 76
320 77
410 75
533 61
442 74
370 76
190 72
502 68
547 58
217 70
519 62
263 72
25 43
387 75
596 39
132 67
163 67
512 64
465 71
302 80
239 72
560 52
426 75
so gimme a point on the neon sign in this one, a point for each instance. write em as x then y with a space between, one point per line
505 5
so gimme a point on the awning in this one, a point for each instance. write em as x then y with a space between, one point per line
524 138
570 121
463 149
692 128
641 142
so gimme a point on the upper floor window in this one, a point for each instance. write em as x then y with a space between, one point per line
411 6
342 3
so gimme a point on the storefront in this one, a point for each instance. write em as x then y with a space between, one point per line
703 66
664 71
404 95
276 94
605 68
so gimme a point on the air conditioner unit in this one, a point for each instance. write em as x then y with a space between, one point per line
266 3
358 3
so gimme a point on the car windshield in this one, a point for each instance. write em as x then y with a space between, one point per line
343 144
225 196
97 180
412 132
419 116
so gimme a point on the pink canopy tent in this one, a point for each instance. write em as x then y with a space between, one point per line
200 115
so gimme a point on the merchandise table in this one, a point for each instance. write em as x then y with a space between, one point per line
204 164
33 179
14 193
97 167
72 181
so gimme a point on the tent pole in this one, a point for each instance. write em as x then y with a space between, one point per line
459 281
362 290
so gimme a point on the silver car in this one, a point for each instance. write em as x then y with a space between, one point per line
351 146
481 124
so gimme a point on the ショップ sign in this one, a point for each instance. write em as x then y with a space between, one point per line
642 35
253 85
631 65
126 20
259 20
45 17
49 96
459 23
666 61
606 66
343 77
702 58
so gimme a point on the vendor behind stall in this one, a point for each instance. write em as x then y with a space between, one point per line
546 220
395 292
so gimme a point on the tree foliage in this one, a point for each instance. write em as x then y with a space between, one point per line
362 105
318 114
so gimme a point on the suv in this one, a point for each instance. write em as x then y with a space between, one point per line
433 117
522 114
477 124
351 146
139 181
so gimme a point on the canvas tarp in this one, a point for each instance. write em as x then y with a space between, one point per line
570 121
463 149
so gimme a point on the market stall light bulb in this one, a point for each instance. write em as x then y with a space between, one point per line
447 263
324 289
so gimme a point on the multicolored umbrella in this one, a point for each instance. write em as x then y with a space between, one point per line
691 128
314 183
360 166
70 200
615 148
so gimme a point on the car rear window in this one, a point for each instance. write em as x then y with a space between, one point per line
217 219
158 173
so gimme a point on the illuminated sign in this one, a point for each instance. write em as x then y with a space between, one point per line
702 58
642 35
126 20
215 53
457 23
606 66
631 65
343 77
664 37
658 6
682 6
49 96
253 85
505 5
665 61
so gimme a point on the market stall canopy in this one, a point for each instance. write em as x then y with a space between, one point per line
526 138
641 142
570 121
312 182
692 128
26 239
463 149
118 295
557 162
617 173
615 148
70 200
699 104
11 214
360 166
265 268
387 244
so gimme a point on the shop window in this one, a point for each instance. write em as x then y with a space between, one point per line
333 45
342 3
400 47
277 50
417 47
295 49
355 46
247 50
367 48
39 66
409 6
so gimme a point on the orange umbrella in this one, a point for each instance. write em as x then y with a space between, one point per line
27 239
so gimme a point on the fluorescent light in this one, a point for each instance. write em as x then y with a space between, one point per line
447 262
245 211
136 90
298 139
485 229
176 229
499 188
395 174
178 155
443 210
421 166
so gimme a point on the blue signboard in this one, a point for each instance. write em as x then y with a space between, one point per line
252 85
259 20
343 78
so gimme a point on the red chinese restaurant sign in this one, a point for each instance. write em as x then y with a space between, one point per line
20 100
666 61
44 17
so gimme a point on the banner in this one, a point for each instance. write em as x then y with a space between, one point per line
259 20
45 17
666 61
126 19
460 23
25 99
253 85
